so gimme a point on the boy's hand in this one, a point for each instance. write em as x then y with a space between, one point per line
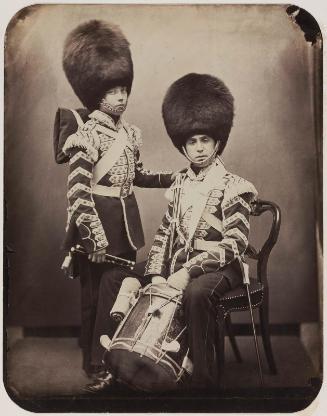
179 280
157 280
174 174
98 256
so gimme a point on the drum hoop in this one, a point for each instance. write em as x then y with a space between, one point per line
159 294
168 360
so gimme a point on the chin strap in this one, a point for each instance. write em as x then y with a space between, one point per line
110 109
205 162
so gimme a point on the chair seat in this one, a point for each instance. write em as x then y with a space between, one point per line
237 299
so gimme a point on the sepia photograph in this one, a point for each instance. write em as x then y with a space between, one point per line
163 208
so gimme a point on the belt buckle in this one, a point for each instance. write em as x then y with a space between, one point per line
125 191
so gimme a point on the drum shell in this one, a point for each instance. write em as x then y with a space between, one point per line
137 354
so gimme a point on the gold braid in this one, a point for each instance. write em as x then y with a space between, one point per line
176 210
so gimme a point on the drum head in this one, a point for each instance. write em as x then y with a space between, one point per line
139 372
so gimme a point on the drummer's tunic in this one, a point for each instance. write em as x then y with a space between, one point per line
103 214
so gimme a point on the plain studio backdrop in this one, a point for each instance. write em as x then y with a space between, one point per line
264 60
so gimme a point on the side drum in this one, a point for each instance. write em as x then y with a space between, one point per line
149 349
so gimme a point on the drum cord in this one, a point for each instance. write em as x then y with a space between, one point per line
166 334
141 329
146 321
180 334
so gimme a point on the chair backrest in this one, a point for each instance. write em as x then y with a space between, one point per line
259 207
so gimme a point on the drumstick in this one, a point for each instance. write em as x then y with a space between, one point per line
109 258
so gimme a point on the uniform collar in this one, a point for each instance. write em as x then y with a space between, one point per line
216 164
107 120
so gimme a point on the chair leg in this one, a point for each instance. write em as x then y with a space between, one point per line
265 334
232 339
220 346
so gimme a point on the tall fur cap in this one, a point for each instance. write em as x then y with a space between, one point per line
96 58
198 104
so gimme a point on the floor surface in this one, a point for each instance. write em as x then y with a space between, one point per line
46 373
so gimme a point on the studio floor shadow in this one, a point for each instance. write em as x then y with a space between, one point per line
44 374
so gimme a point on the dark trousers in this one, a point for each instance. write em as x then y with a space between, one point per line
96 278
200 315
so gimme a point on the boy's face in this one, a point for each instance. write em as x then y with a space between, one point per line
115 101
199 147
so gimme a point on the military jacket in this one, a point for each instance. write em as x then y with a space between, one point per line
212 226
108 218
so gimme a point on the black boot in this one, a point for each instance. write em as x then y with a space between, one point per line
102 382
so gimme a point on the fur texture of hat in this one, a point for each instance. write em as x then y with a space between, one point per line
96 58
198 104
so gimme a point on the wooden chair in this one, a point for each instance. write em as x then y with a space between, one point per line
237 299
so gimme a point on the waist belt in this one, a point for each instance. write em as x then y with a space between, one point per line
203 245
113 191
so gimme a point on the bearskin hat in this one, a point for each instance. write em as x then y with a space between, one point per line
96 58
198 104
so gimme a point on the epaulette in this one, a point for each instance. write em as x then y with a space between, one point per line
85 138
237 186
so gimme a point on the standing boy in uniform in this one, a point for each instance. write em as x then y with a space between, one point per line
104 164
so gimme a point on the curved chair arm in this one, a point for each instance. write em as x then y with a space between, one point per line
259 207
